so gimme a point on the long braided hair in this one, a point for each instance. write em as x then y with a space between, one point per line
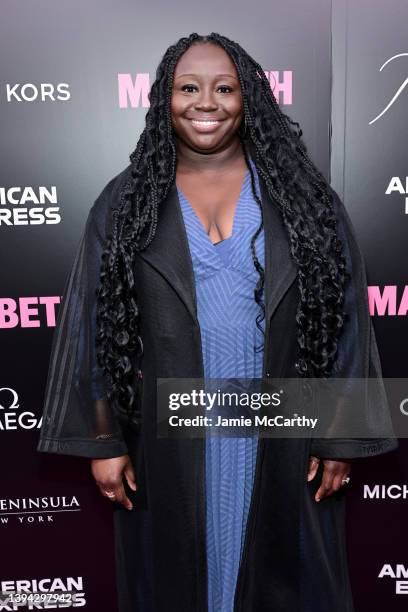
294 184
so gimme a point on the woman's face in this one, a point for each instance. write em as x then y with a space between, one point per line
206 103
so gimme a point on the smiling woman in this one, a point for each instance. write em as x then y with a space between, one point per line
219 252
207 111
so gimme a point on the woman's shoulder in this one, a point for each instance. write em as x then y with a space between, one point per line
109 196
100 212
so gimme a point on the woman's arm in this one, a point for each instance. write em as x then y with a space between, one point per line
358 358
78 419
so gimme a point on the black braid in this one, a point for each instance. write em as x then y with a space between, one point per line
294 184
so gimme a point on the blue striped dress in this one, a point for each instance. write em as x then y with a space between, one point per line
225 279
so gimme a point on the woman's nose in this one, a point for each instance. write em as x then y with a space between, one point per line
206 100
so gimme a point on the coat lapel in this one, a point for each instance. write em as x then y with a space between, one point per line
169 253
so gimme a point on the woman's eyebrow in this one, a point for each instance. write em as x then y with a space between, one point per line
217 76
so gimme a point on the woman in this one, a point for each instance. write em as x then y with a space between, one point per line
220 251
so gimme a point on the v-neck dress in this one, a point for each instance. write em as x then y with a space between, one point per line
225 278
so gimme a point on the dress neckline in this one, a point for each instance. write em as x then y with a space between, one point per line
236 212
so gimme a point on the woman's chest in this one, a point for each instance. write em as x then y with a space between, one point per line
214 202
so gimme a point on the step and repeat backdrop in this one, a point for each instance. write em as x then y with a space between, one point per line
369 164
74 83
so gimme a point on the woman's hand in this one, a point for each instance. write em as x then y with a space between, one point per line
334 471
108 474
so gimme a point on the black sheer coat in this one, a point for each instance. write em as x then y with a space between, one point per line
294 556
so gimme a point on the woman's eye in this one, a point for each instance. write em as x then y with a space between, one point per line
189 87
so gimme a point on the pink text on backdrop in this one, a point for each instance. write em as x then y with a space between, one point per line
133 93
384 302
31 311
28 312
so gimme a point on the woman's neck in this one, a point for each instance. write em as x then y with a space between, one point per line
190 161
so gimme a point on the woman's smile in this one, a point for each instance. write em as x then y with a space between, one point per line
205 126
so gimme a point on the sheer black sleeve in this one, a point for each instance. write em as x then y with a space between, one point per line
357 361
78 419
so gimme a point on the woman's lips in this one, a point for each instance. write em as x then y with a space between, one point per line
205 126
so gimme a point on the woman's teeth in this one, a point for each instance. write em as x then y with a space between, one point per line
196 122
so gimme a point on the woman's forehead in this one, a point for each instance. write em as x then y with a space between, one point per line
205 60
